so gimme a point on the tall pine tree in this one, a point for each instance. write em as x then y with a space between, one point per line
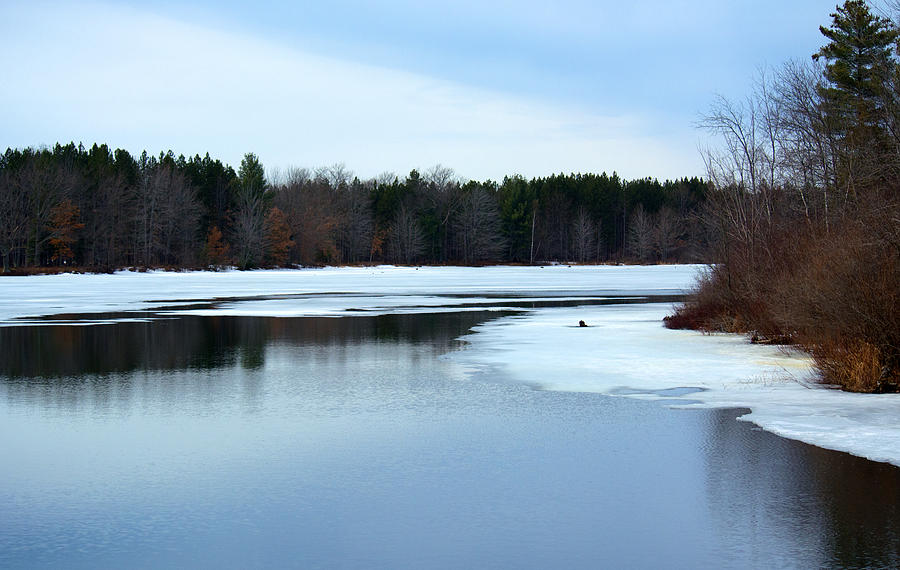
857 92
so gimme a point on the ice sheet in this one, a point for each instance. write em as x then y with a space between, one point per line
626 351
328 290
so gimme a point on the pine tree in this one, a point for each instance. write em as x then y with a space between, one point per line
252 175
859 57
858 98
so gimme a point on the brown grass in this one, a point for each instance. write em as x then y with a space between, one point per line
858 367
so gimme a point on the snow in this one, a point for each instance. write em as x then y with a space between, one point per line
328 291
623 352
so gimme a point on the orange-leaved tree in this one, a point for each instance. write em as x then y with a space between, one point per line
277 241
65 221
216 248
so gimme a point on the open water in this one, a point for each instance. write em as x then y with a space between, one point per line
243 442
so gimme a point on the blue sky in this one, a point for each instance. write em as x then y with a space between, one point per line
486 88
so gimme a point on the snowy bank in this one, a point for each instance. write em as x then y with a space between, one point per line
626 351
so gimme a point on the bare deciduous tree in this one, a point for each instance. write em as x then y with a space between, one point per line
668 228
247 224
640 234
405 239
166 216
108 219
810 143
385 178
180 209
442 196
336 176
46 184
584 235
751 133
14 213
477 226
356 222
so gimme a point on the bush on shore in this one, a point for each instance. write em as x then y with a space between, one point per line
834 292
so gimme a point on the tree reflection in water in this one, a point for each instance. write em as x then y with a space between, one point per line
846 507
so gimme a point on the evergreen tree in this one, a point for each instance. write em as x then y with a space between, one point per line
252 175
859 57
858 99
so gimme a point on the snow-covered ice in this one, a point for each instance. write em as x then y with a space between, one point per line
625 351
328 291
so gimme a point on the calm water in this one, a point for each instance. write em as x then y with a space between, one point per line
348 443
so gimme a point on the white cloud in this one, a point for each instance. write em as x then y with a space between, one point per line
110 74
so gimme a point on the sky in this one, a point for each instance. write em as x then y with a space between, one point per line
488 89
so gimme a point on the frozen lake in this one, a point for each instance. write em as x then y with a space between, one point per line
350 418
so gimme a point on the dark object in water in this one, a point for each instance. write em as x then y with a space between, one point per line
582 324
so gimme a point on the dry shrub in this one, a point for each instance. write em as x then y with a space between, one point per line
833 288
843 304
857 366
706 307
686 316
51 270
727 299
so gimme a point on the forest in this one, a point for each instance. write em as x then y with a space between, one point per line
98 209
805 196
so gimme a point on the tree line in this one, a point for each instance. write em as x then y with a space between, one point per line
103 209
804 201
